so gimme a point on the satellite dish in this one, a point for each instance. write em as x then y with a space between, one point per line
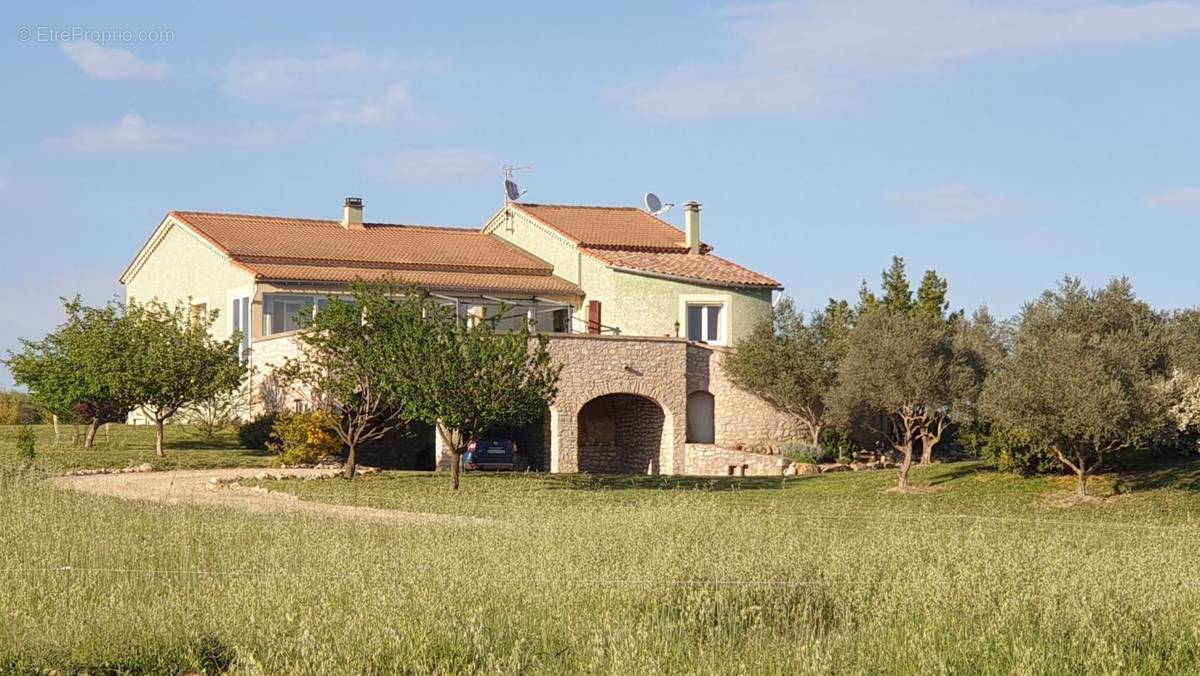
655 206
512 190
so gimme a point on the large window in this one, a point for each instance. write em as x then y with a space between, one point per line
281 312
705 323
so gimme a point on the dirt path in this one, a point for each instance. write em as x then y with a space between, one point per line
196 487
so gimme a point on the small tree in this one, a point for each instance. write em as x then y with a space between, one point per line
476 379
1085 377
171 361
790 364
75 371
359 359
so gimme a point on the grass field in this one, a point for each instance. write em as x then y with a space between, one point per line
976 573
127 445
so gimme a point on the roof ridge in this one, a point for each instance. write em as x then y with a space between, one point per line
331 221
580 206
392 265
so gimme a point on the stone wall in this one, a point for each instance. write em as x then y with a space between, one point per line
620 433
740 419
712 460
595 366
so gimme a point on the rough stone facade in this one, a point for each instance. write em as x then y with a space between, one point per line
622 408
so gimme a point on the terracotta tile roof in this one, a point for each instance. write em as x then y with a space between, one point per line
300 249
701 267
627 228
479 282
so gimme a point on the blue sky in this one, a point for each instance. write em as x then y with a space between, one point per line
1004 144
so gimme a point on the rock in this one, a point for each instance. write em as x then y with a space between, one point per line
860 466
803 468
261 476
144 467
834 467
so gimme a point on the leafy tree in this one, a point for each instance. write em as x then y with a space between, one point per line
75 371
790 364
170 361
907 377
897 294
476 379
359 358
1086 376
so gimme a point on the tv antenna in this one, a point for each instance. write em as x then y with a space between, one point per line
655 206
512 191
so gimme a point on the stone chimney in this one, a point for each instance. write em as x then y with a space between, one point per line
691 220
352 214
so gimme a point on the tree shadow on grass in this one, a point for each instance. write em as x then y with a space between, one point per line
954 473
1177 473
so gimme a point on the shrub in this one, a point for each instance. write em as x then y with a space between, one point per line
798 451
1006 450
16 408
836 441
257 432
26 443
303 438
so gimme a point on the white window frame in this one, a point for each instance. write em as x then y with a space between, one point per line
725 301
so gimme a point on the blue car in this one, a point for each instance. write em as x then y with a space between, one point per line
494 453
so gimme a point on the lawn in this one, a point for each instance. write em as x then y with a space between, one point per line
978 573
123 446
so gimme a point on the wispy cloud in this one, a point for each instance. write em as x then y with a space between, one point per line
798 55
1182 196
131 134
111 63
434 165
395 103
351 87
956 203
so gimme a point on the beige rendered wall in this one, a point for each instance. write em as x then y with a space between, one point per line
182 265
513 226
650 306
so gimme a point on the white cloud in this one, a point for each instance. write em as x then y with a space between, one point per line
131 134
956 203
111 63
435 165
394 103
349 87
796 55
1183 196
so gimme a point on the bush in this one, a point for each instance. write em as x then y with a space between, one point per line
303 438
798 451
836 441
1006 450
257 432
26 443
16 408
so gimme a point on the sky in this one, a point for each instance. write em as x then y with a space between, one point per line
1004 144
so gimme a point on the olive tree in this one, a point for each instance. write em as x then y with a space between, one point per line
791 364
1086 375
898 373
171 361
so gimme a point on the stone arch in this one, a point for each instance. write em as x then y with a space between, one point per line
622 433
701 417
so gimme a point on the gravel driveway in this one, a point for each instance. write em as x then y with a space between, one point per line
195 487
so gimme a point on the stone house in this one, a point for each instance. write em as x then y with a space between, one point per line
638 312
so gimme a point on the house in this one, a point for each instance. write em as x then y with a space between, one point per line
638 313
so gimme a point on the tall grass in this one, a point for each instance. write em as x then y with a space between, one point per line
576 574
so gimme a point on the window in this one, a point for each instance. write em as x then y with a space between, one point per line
705 323
240 322
281 311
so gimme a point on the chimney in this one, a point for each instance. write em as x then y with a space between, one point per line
691 220
352 214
